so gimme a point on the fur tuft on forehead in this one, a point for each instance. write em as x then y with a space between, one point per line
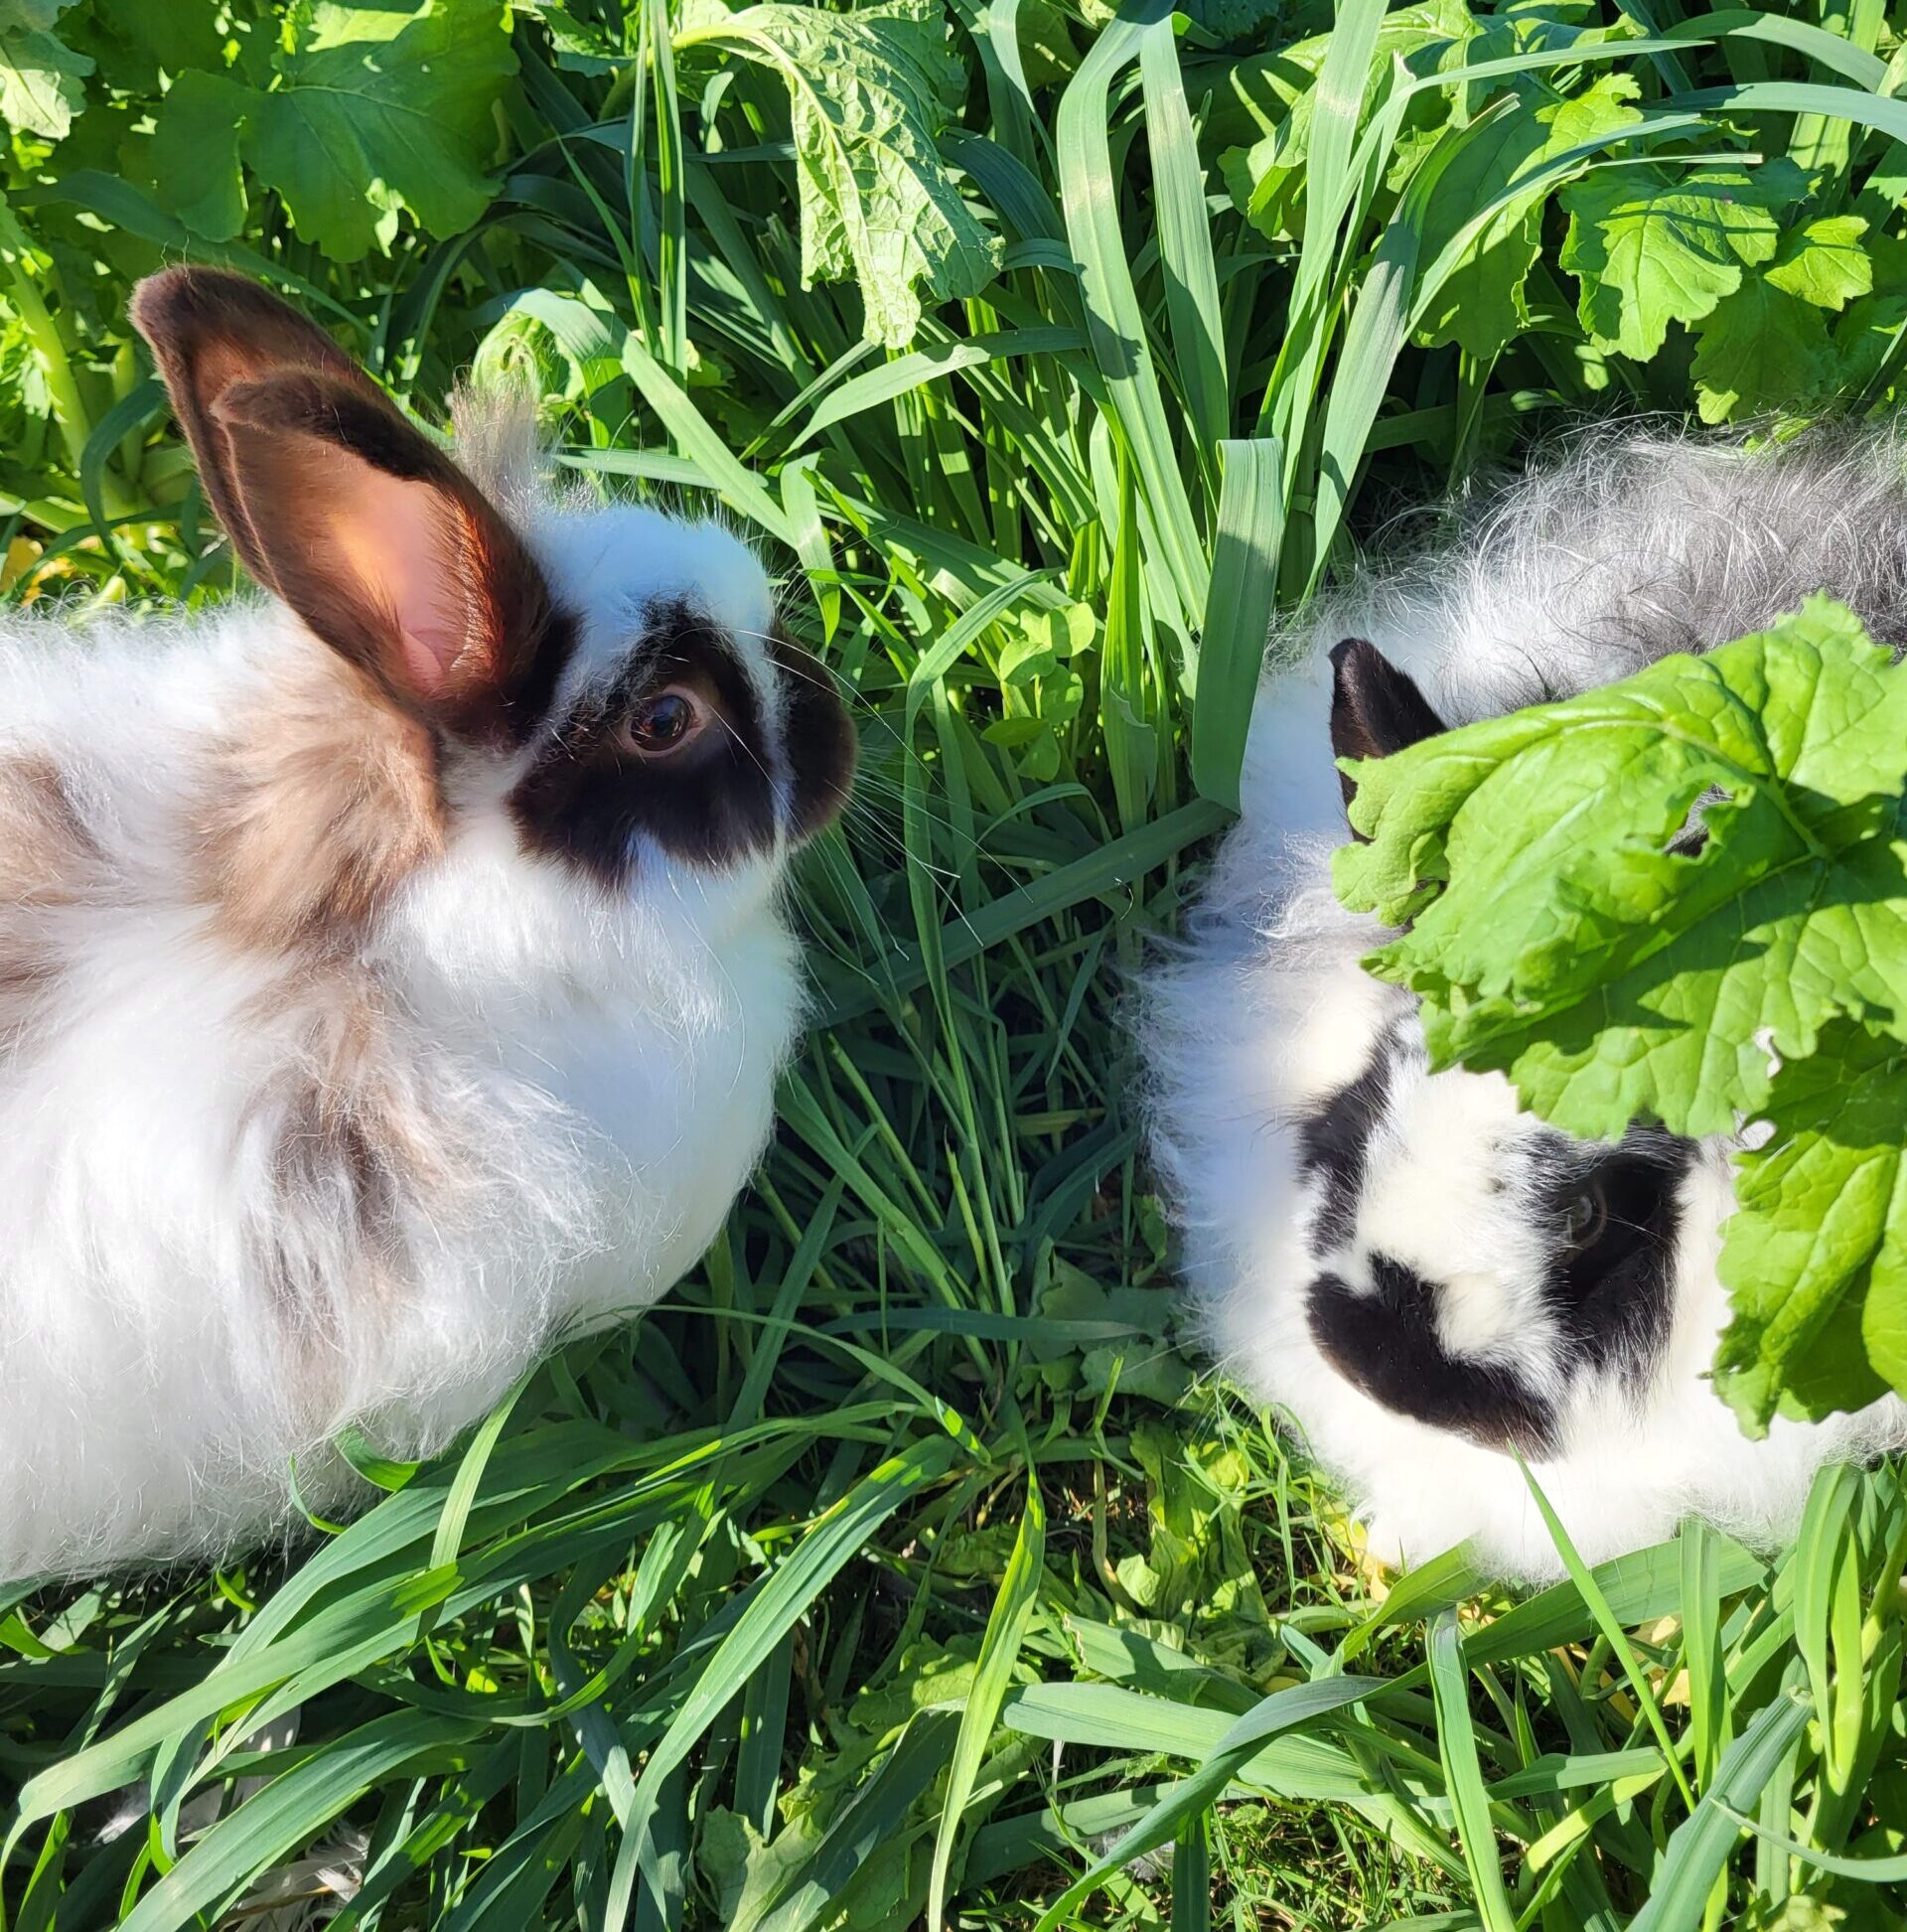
504 450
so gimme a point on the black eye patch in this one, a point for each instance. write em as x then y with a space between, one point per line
1386 1344
817 738
587 799
1612 1292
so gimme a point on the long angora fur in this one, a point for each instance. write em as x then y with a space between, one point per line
327 1093
1603 558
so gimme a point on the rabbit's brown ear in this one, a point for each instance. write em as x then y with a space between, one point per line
1376 708
346 511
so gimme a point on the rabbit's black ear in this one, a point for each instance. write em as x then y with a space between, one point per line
348 512
1376 708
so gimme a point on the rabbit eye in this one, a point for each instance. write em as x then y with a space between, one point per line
662 724
1586 1218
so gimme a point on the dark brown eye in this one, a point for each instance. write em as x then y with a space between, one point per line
1586 1218
662 724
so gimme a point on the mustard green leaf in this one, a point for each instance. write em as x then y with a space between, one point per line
194 153
1569 931
132 43
1480 306
1654 244
1267 176
40 75
869 93
379 110
1815 1259
1826 263
1761 350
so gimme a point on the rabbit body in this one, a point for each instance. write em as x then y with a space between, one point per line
1398 1258
346 1054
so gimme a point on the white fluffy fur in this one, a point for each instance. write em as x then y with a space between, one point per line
1629 547
594 1073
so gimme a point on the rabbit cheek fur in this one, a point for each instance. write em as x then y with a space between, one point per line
1418 1274
392 971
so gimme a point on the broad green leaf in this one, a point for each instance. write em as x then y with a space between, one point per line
372 112
1824 262
1651 246
581 45
869 93
1762 350
1235 20
40 75
1868 330
133 44
194 153
1278 94
1605 104
1816 1259
1480 306
30 16
1556 935
401 102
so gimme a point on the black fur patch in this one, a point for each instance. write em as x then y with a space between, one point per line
817 739
588 800
1332 1146
1386 1344
1612 1295
526 702
1376 709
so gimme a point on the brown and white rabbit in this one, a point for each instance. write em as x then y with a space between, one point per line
1418 1272
392 968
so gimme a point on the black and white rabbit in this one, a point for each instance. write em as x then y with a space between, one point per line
392 968
1413 1270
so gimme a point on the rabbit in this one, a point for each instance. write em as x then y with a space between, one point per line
1418 1272
393 965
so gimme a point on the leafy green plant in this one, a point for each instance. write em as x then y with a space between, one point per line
906 1552
1759 977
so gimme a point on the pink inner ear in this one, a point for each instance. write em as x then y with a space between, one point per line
405 544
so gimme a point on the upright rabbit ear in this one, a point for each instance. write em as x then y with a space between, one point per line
346 511
1376 708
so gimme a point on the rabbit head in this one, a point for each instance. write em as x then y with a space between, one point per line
606 684
1477 1273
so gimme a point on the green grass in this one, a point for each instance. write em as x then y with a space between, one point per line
903 1558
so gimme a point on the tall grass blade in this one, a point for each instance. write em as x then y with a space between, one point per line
1237 613
1463 1774
1013 1608
1701 1844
